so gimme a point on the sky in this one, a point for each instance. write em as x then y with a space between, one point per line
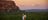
31 4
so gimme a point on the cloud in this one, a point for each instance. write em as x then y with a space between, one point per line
31 4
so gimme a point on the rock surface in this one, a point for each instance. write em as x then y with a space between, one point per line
7 6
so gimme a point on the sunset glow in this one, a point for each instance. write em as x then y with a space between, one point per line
31 4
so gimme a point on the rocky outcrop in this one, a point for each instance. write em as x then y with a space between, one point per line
5 0
8 6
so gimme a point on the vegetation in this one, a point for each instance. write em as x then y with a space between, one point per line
18 15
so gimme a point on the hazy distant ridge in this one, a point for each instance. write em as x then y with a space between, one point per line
36 10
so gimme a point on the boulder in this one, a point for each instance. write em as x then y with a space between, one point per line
8 6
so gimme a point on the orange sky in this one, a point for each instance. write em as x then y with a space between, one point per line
31 4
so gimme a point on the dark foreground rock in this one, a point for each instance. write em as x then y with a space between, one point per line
8 6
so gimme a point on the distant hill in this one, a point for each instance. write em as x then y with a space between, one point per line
36 10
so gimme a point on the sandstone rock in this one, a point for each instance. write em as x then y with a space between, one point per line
7 6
